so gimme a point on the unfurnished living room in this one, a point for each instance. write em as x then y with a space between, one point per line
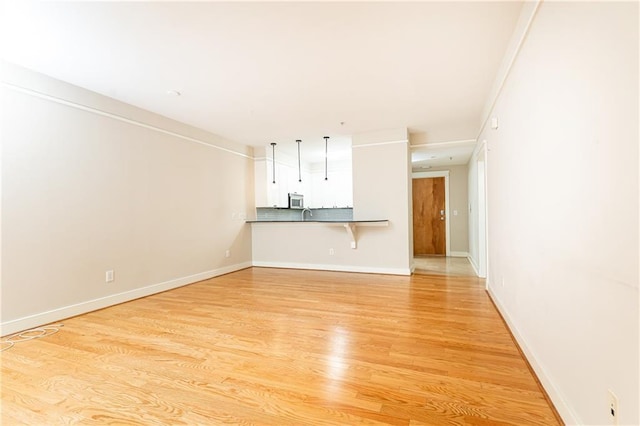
320 213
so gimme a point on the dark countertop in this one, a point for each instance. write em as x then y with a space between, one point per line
310 208
317 221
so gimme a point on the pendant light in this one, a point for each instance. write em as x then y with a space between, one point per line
273 149
326 140
299 168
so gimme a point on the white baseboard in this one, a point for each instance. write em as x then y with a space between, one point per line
338 268
567 414
473 265
31 321
458 254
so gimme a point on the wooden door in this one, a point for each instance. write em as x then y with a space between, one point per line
429 231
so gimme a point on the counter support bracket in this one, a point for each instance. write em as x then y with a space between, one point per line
351 230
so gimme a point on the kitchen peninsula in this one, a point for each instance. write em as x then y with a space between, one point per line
327 216
378 225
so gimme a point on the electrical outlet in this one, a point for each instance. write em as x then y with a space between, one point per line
502 280
108 276
227 253
331 252
613 408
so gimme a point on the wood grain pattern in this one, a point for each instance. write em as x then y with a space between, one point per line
276 347
429 233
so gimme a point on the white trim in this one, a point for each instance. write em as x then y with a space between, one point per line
568 415
475 268
503 79
364 145
338 268
446 144
459 254
445 175
483 215
476 151
116 117
35 320
481 148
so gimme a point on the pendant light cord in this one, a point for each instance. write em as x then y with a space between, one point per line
299 168
273 149
326 140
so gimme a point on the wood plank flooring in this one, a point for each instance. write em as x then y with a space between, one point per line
441 265
281 347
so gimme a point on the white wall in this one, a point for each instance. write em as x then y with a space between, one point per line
90 184
563 205
382 189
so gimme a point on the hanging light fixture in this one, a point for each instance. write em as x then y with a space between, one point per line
326 140
299 168
273 149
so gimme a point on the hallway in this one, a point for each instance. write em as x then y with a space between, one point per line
441 265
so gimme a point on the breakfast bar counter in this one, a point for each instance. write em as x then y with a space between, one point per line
349 225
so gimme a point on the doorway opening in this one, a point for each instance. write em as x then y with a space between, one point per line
429 214
441 265
431 228
430 199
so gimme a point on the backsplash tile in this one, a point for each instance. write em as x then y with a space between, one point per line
294 215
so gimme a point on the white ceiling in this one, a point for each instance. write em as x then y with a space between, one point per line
442 155
268 72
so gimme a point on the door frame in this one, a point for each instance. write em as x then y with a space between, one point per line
483 251
483 212
445 175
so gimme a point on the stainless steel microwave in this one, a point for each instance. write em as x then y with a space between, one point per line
296 201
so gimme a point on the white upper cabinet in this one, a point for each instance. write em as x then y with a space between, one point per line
336 191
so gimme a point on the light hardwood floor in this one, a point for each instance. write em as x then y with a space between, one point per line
279 347
441 265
